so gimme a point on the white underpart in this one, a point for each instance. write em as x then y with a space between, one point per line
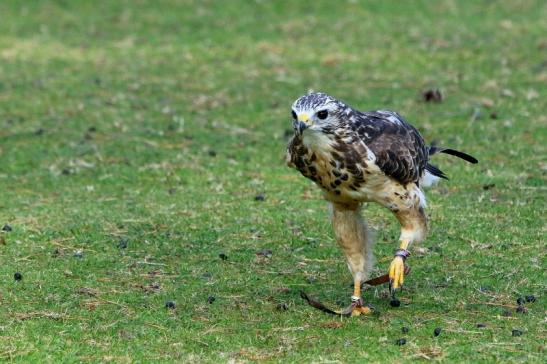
428 179
421 197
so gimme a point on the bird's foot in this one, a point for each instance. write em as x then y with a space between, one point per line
397 269
361 310
358 307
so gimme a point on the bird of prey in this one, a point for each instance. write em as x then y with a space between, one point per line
357 157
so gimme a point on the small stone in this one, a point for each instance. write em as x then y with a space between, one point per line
260 197
521 309
530 298
170 305
516 332
394 302
78 254
122 244
282 307
17 276
400 342
405 330
481 326
437 331
7 227
211 299
223 256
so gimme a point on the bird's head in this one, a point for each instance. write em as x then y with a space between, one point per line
318 112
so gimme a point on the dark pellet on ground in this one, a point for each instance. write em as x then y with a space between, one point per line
92 129
7 227
488 186
122 244
17 276
522 309
260 197
520 301
432 95
394 302
400 342
530 298
516 332
211 299
437 331
223 256
405 330
39 132
212 153
65 172
282 307
481 326
493 115
170 304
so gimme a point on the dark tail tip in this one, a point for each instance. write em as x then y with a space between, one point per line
462 155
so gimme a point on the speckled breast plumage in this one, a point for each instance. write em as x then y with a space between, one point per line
336 165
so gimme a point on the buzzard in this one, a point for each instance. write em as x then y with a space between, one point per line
357 157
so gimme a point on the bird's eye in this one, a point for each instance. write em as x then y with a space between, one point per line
293 115
322 114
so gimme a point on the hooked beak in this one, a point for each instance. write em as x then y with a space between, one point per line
302 123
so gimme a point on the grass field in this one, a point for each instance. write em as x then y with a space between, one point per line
135 137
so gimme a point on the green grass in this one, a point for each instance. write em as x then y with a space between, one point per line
159 122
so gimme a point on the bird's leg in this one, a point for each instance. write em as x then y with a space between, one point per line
357 303
413 229
354 239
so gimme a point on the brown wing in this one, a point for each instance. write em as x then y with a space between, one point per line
399 148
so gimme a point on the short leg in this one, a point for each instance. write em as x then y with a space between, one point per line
413 229
356 242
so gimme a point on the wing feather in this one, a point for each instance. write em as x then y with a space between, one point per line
399 148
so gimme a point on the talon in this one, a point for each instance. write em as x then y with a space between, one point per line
396 273
362 310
